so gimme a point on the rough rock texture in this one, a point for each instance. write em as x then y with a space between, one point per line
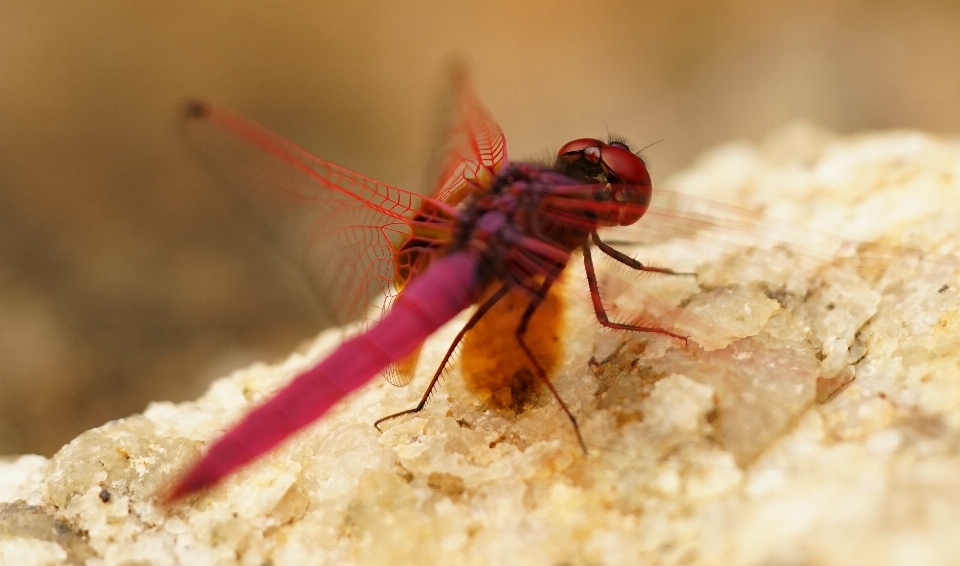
813 418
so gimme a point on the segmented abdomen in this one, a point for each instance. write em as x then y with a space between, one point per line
446 288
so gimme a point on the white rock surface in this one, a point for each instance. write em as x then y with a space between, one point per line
814 417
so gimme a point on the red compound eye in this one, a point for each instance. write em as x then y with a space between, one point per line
623 164
588 148
630 180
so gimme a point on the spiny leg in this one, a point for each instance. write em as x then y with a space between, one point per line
481 310
602 313
629 261
535 302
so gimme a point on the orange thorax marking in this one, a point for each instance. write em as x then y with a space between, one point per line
494 366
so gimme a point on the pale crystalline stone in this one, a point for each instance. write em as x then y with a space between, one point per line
813 418
31 552
20 478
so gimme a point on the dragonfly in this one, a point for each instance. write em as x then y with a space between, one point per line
491 231
499 235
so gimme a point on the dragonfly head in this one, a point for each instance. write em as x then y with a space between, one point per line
622 172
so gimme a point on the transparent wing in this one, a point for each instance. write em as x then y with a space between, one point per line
474 149
754 258
344 229
703 224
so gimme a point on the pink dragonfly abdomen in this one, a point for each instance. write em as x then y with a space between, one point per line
444 290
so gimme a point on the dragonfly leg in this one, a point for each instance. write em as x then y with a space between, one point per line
629 261
602 313
542 373
481 310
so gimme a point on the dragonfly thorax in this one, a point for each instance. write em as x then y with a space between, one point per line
527 223
522 196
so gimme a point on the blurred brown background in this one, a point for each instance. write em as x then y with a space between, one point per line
123 279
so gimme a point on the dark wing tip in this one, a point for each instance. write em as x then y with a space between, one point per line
196 109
